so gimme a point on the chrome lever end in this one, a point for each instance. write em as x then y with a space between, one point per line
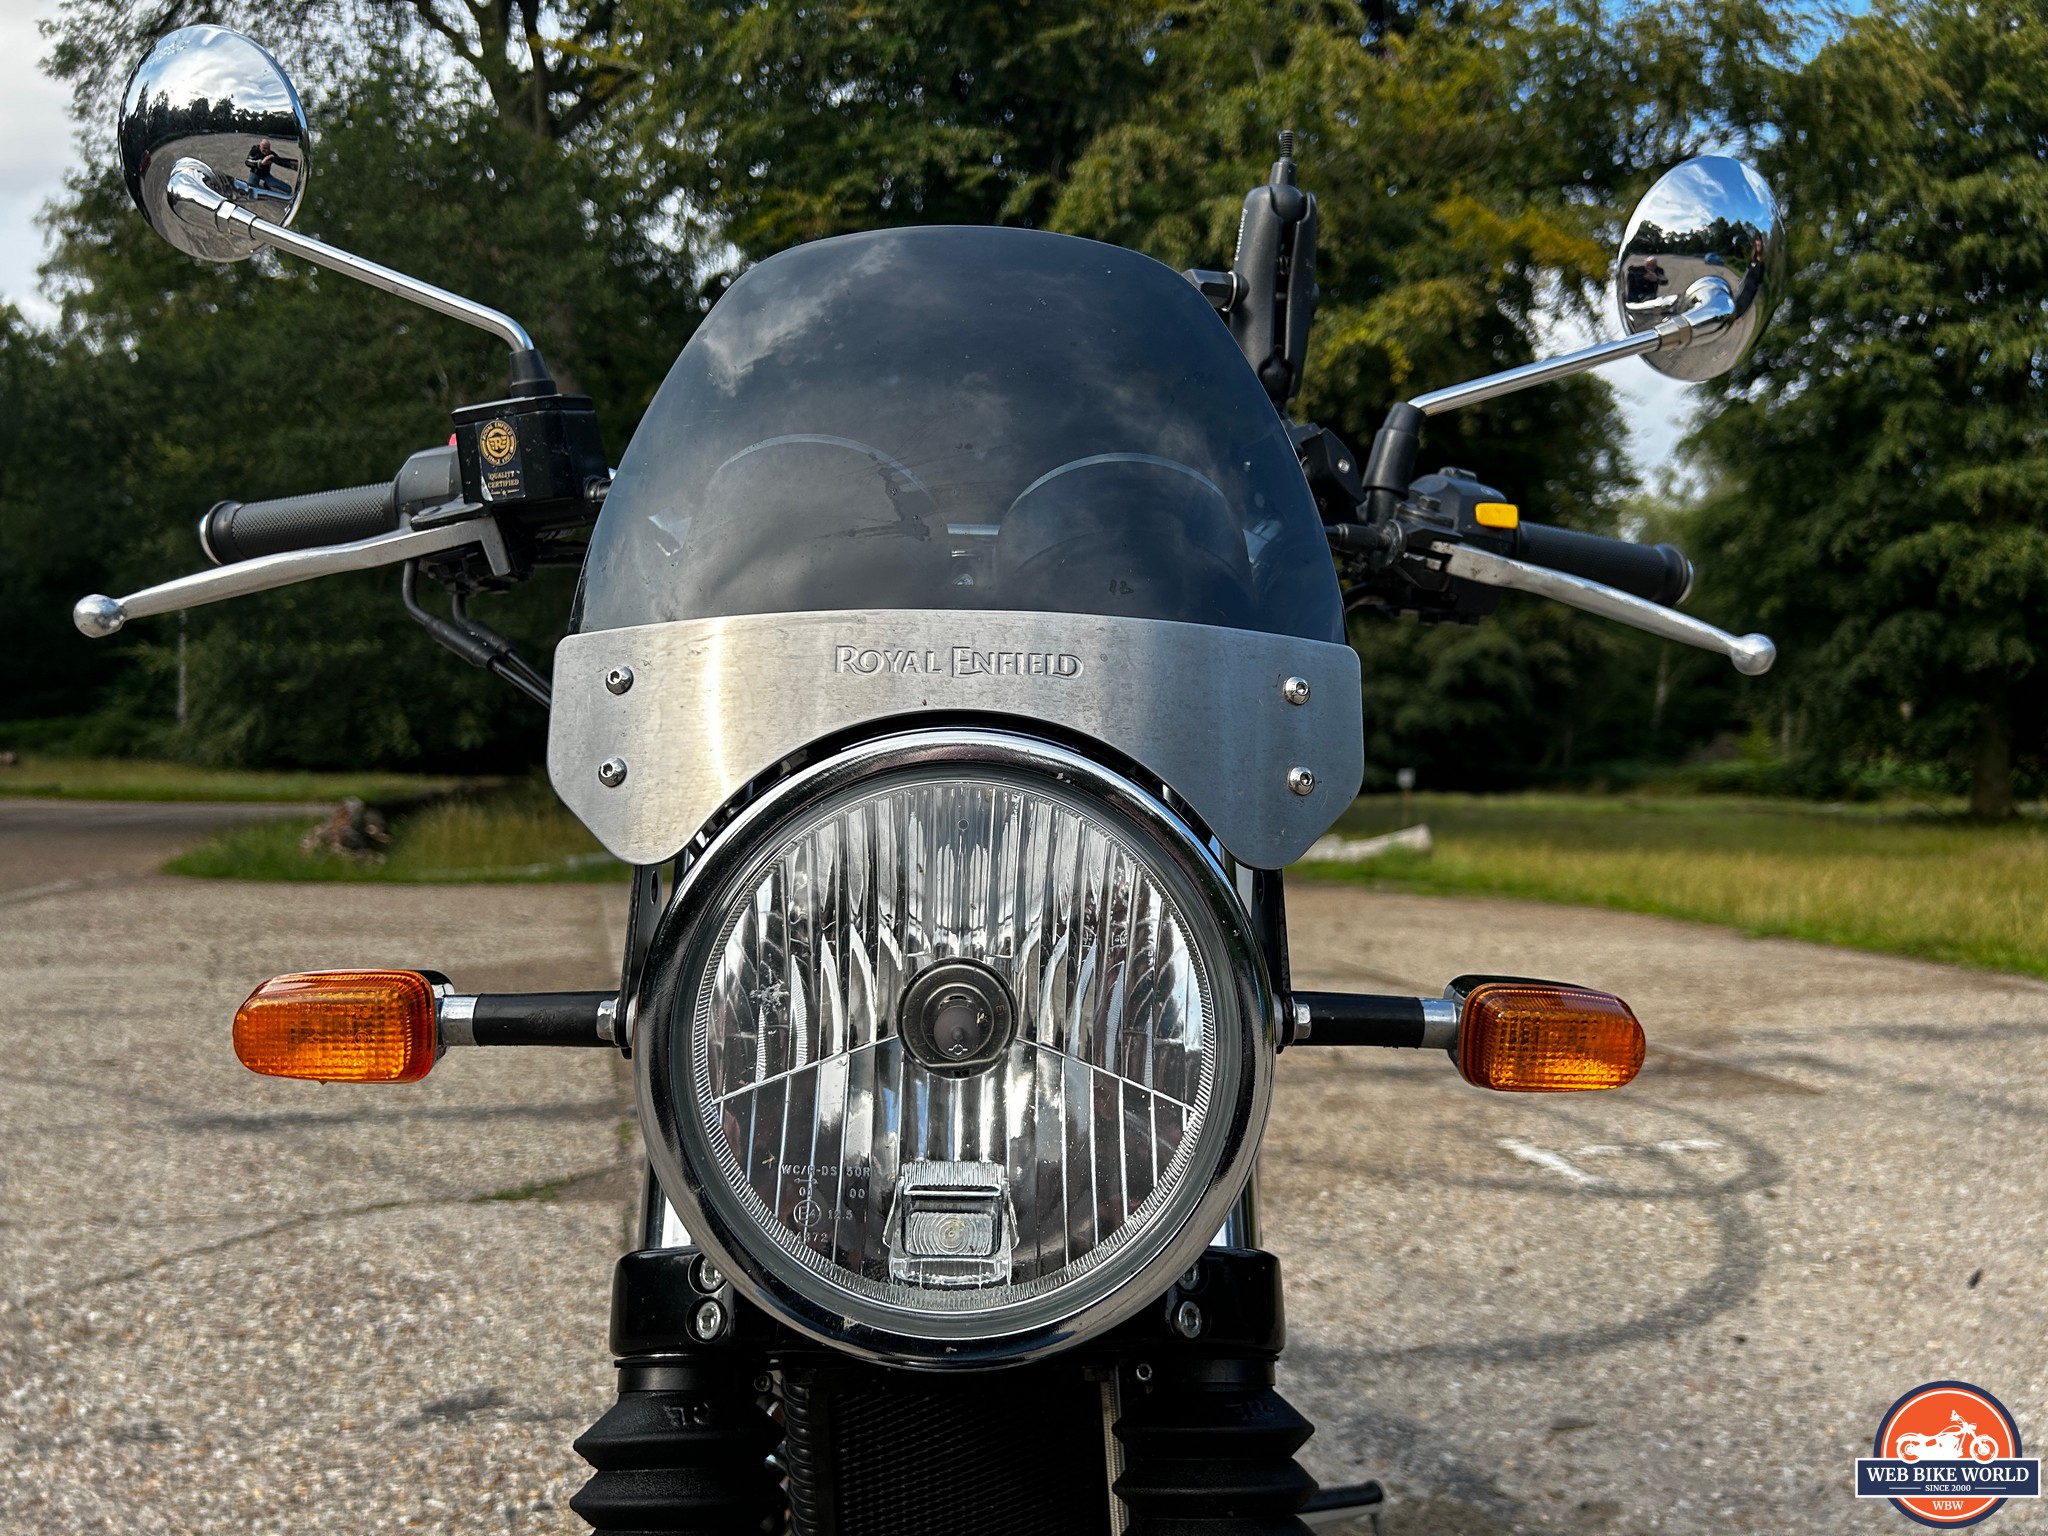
97 616
1752 654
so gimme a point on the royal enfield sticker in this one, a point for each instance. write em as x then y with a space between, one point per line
1948 1454
497 444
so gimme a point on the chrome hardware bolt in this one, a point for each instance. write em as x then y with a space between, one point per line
707 1278
619 679
611 773
708 1321
1300 780
1295 690
1187 1320
1192 1278
1142 1371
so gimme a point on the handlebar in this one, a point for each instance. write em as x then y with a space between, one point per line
261 545
233 531
1658 573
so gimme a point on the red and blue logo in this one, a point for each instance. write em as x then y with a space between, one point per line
1948 1454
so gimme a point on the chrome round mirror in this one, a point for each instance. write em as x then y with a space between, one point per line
212 100
1708 220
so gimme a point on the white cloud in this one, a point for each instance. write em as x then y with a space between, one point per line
36 149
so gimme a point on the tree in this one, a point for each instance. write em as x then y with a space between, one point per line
269 377
781 122
551 67
52 517
1884 461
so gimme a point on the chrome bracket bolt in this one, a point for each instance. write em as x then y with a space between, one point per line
1143 1371
1187 1320
708 1321
707 1278
619 679
611 773
1294 690
1300 780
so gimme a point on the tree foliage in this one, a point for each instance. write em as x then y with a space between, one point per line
551 67
783 122
598 166
195 381
1884 465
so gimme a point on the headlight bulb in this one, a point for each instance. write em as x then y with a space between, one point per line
957 1018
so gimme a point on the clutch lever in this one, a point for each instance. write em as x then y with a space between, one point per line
1751 654
97 616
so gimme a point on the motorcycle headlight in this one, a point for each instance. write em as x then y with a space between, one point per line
955 1048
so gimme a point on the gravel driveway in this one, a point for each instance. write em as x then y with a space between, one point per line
232 1304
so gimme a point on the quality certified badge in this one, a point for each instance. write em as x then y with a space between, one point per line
1948 1454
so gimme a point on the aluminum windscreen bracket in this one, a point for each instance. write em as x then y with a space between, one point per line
656 726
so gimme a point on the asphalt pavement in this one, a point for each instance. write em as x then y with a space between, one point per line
234 1304
1684 1305
51 846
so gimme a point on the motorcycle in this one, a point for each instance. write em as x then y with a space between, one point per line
959 657
1958 1442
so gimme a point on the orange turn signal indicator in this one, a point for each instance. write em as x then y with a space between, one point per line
1546 1037
340 1027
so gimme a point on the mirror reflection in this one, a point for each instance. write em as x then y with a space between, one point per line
212 96
1711 218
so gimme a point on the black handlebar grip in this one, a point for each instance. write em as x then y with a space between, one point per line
242 530
1658 572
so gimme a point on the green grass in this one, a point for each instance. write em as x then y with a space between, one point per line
1892 878
1881 877
520 834
79 778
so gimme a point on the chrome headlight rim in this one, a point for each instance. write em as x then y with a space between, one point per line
1247 1028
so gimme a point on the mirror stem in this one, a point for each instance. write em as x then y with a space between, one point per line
198 203
1710 309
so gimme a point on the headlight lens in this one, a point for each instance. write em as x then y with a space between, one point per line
960 1050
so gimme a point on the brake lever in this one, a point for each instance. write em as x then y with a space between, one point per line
1751 654
97 616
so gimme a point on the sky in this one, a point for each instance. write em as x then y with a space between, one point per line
36 150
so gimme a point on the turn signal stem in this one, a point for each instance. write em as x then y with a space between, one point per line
1361 1018
528 1018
